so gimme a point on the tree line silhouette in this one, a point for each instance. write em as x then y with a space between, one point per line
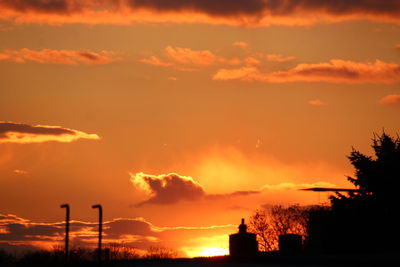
112 252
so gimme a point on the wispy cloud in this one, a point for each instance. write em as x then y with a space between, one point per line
12 132
62 57
317 103
293 186
155 61
184 58
20 172
230 12
188 56
241 44
278 58
390 100
335 71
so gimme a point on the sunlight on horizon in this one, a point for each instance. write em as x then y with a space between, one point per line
211 251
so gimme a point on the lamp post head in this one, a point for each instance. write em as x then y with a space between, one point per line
98 206
64 206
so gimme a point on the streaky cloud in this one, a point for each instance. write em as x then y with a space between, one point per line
334 71
13 132
58 57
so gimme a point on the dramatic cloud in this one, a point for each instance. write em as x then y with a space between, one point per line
231 12
167 188
12 132
391 100
336 71
172 188
64 57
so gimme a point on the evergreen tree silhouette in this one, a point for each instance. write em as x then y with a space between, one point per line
364 220
377 178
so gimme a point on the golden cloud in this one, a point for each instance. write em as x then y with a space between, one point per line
12 132
278 58
180 57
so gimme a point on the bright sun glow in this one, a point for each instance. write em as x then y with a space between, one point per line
213 251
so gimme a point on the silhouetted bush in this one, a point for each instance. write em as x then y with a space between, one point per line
119 251
157 252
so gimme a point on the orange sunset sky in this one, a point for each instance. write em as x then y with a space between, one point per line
182 116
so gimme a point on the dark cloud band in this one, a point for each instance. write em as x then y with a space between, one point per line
254 12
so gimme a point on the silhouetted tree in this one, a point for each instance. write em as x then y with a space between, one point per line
277 220
377 178
365 220
261 226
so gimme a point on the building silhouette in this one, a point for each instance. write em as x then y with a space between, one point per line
243 245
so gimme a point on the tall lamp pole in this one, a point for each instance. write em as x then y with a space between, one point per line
98 206
66 206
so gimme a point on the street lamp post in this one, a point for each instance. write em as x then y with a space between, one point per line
100 229
66 206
